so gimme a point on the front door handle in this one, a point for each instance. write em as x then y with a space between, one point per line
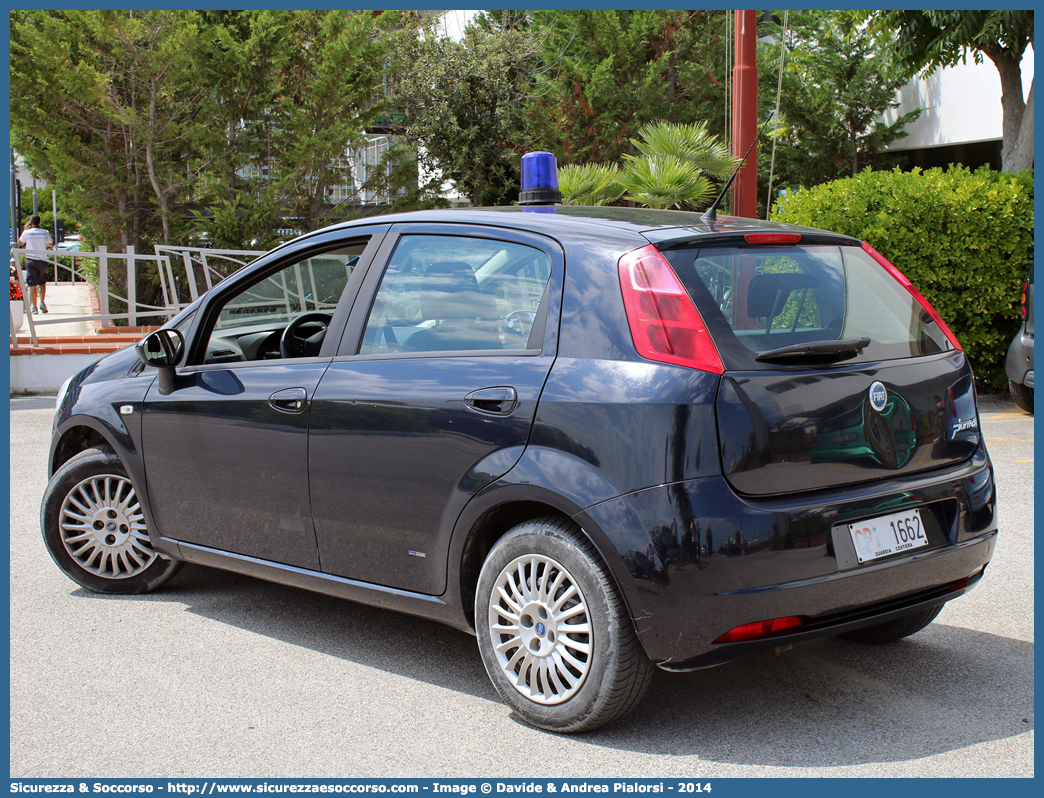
289 400
492 401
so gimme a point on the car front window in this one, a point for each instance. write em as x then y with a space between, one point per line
310 285
285 314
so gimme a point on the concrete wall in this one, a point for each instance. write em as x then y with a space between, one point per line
45 373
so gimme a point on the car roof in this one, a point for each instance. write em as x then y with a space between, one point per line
575 220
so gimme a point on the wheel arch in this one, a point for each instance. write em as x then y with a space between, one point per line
75 439
483 533
544 482
500 508
80 432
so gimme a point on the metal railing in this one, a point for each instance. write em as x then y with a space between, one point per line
181 270
201 265
129 262
289 291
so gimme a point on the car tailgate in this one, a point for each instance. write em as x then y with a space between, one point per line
784 431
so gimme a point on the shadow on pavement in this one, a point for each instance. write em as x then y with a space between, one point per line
829 703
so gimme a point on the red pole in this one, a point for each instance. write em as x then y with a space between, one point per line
745 114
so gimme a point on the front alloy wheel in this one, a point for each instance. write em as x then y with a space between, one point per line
103 528
94 528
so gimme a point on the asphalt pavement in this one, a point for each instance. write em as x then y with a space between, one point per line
220 675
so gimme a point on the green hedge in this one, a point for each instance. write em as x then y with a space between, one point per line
964 238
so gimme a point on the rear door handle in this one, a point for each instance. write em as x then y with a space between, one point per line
289 400
492 401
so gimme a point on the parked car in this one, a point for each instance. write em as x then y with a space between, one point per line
600 439
70 244
1019 363
67 267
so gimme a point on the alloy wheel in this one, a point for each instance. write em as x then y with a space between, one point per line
103 528
540 628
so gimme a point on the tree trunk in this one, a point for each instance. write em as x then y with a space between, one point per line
1012 104
121 205
161 195
1022 154
230 171
315 204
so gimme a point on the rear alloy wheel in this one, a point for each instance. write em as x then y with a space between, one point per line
896 629
94 528
1022 395
553 633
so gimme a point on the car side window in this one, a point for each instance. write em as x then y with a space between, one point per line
456 293
284 314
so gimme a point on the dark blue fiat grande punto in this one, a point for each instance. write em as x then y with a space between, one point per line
603 439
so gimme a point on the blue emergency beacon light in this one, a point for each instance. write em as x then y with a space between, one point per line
539 180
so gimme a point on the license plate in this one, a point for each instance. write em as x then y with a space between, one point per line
888 534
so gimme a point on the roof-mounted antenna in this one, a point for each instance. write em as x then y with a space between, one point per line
711 214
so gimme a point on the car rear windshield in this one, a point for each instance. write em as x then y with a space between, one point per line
757 299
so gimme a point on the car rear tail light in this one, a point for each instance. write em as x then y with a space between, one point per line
665 325
772 238
1025 293
753 631
924 303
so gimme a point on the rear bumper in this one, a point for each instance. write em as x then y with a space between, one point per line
825 606
697 560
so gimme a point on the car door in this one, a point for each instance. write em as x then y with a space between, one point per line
432 396
226 451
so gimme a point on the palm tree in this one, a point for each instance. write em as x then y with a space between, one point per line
665 181
589 184
672 171
691 143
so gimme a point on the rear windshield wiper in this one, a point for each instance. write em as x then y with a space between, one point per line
816 349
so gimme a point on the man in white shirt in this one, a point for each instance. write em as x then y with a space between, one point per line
36 239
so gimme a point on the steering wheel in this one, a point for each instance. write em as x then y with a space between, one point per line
519 322
303 337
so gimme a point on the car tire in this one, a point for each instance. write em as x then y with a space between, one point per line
540 579
1022 395
94 528
893 630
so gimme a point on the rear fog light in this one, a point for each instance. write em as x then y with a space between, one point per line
759 629
960 584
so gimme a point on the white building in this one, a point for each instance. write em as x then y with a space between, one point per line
961 118
453 23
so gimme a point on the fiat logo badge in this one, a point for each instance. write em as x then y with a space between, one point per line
878 396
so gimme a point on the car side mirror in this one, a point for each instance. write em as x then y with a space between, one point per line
162 349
